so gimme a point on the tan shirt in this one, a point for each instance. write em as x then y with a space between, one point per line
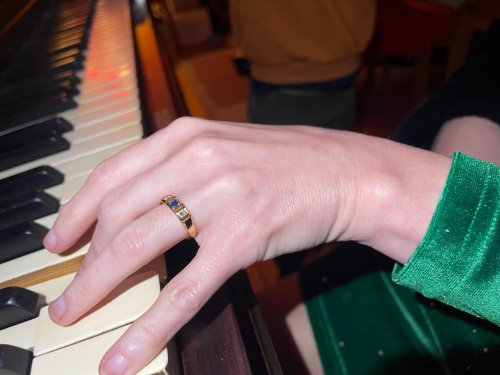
302 41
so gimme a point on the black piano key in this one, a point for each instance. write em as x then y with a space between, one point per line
60 46
33 133
71 22
36 179
44 108
26 208
14 360
20 240
33 151
18 71
28 83
18 305
55 51
49 89
70 52
75 32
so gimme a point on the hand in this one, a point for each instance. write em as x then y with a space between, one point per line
254 192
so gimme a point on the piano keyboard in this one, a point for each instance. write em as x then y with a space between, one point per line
106 120
101 130
61 350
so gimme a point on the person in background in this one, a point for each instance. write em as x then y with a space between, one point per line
304 58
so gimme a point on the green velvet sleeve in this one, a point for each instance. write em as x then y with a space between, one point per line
458 260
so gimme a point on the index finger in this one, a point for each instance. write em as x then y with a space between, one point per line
125 254
78 215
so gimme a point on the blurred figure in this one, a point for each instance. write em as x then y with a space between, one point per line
304 58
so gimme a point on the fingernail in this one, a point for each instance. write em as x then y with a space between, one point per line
50 240
57 309
117 364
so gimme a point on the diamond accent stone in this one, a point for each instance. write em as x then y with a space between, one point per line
181 214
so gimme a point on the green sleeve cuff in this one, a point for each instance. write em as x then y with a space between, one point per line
458 260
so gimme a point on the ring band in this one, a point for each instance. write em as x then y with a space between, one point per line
181 212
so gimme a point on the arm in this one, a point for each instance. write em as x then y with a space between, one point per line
475 136
457 260
254 192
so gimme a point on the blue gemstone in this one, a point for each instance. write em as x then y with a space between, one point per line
174 203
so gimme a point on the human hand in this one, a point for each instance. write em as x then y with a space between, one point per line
254 192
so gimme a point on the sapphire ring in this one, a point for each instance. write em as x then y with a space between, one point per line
182 213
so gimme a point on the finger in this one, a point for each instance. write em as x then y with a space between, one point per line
144 191
81 211
179 301
140 195
136 245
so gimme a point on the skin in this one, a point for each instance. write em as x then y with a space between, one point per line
472 135
272 190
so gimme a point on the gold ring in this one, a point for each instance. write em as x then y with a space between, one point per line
181 211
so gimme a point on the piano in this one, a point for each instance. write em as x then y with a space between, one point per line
81 80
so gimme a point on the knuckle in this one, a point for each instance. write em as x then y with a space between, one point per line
186 297
108 209
206 147
149 335
128 243
83 286
102 175
181 122
235 180
184 124
65 212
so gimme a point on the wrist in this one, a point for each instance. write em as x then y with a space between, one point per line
397 194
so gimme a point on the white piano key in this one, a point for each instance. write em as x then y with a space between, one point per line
99 129
91 103
116 108
81 150
103 87
47 221
21 335
84 357
94 145
51 289
120 53
102 115
24 335
114 311
114 50
91 78
37 261
115 103
67 189
83 166
106 89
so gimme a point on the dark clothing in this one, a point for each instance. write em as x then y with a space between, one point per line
472 91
